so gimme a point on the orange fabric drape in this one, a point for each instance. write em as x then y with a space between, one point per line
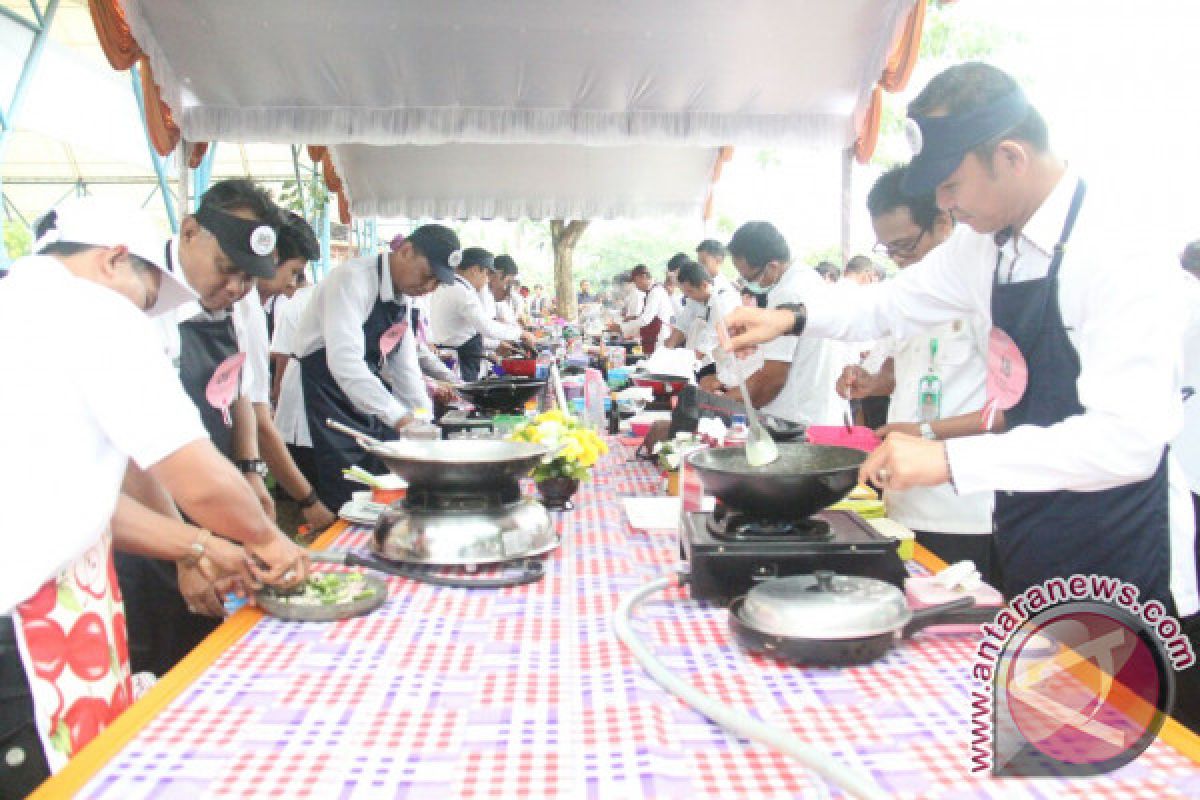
900 63
724 154
160 124
112 29
343 207
864 146
316 152
196 154
333 181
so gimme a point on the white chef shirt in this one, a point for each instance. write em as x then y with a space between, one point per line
677 299
1186 446
253 383
687 314
456 313
290 417
633 301
334 320
115 398
655 305
256 346
961 366
705 317
810 393
1122 312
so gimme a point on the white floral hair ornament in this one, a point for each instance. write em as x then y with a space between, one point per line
454 259
912 132
262 240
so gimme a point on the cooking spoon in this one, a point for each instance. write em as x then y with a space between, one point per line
760 447
358 436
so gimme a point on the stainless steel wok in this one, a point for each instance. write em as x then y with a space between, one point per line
458 464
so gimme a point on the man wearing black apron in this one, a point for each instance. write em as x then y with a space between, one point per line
655 314
220 250
357 333
1083 478
459 318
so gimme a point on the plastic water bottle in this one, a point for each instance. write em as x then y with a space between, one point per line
422 426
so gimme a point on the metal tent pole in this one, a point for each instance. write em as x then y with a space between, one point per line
158 162
847 200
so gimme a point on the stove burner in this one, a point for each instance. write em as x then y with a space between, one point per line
740 526
491 499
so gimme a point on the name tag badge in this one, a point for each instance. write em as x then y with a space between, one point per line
1007 376
222 387
390 339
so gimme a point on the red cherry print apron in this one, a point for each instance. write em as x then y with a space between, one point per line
71 635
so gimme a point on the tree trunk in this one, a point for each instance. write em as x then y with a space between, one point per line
564 236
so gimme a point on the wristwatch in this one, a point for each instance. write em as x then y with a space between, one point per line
927 431
799 317
249 465
309 500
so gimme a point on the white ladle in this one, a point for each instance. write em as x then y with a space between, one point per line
760 447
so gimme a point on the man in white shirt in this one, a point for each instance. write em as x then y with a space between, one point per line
357 331
497 300
296 247
1083 477
710 254
632 299
948 362
652 325
458 318
708 304
99 267
220 250
798 377
671 284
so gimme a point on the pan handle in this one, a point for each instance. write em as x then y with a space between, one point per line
960 611
364 441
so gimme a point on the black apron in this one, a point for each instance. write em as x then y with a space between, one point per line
470 352
1123 532
203 345
324 399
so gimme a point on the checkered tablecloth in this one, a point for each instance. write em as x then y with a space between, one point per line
526 693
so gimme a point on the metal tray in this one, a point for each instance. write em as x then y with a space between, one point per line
278 607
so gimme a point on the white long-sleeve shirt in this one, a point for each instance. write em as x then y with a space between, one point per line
334 320
656 305
1123 314
456 314
290 417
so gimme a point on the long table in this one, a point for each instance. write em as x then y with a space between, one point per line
526 693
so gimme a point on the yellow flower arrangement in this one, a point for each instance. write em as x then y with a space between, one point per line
576 448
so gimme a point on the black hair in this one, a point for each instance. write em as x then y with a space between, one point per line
1190 258
477 257
296 239
862 264
828 269
240 194
505 263
966 87
693 274
758 243
887 196
48 222
677 260
712 247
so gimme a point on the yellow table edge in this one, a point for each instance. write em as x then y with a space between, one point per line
84 766
89 761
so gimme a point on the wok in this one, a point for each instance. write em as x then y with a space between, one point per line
805 478
662 385
458 464
500 394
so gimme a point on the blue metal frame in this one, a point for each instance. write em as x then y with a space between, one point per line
160 163
8 116
202 175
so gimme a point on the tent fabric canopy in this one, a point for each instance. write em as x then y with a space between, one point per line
529 71
525 180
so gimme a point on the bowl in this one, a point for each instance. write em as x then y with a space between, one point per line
388 496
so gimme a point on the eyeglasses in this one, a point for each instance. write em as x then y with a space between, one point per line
901 247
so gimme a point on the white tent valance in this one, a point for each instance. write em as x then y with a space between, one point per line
525 180
704 72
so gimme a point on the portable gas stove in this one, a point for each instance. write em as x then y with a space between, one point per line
729 551
466 423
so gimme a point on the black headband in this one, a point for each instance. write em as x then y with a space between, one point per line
249 243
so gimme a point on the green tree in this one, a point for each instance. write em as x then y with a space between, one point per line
18 239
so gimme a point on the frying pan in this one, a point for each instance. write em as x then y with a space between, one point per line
836 620
805 478
663 385
500 394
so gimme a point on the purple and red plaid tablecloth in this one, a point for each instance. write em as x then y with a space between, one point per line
526 693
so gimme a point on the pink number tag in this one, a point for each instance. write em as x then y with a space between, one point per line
390 338
223 386
1007 376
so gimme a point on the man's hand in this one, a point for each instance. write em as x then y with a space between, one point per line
443 391
318 517
504 349
199 592
403 423
260 491
752 326
903 462
283 563
223 566
710 383
528 340
907 428
856 383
